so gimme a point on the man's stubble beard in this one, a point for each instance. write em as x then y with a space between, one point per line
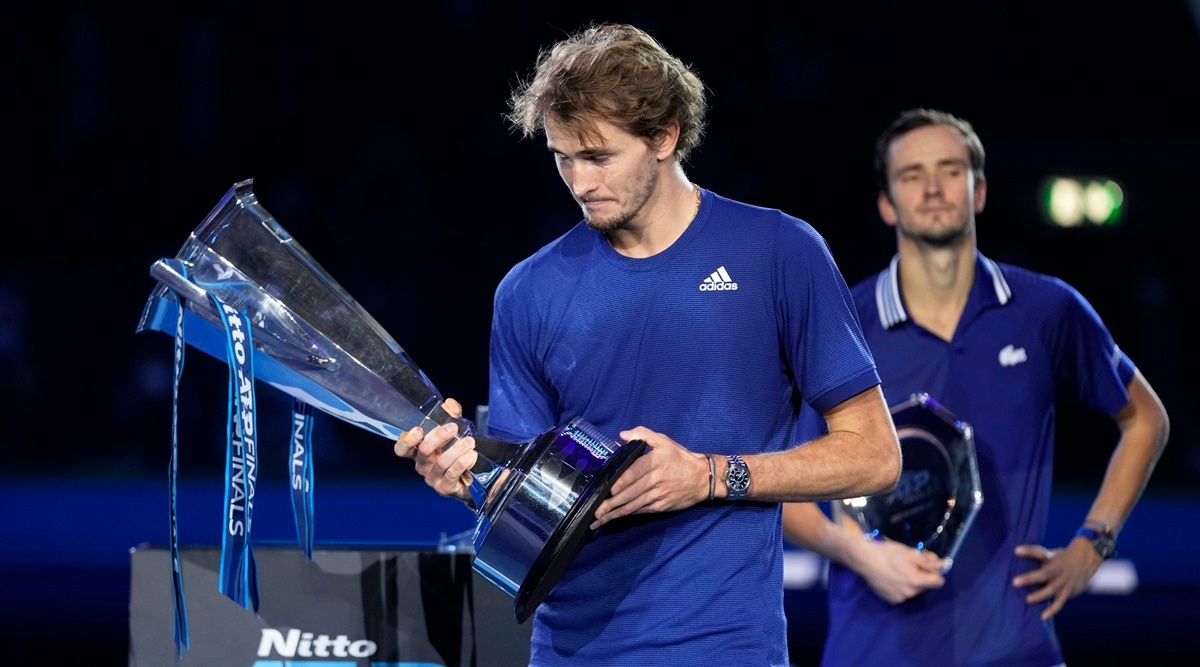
945 238
622 219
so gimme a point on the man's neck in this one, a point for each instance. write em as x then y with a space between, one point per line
667 215
935 283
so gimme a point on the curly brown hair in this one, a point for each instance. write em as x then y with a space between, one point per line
616 73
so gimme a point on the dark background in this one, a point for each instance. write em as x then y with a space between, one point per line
376 137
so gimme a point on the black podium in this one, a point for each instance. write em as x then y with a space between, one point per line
347 607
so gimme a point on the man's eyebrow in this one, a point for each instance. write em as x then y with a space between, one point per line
916 166
589 152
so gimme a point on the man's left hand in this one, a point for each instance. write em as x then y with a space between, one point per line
1061 573
668 477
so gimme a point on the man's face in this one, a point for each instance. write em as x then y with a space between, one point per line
933 192
612 176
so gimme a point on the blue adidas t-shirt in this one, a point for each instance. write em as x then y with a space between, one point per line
713 342
1024 341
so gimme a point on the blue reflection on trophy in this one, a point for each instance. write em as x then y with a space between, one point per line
938 495
534 500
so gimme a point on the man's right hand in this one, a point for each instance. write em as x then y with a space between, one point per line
897 572
447 472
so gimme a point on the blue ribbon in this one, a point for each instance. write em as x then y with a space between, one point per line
301 473
239 576
182 640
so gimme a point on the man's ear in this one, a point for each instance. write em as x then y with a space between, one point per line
668 138
980 195
886 210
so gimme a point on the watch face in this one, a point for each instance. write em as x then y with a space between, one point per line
737 477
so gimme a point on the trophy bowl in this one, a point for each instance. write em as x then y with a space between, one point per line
938 494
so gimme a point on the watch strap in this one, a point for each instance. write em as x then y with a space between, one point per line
1103 540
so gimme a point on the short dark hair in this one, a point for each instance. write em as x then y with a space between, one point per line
912 119
616 73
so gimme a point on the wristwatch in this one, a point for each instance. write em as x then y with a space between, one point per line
737 478
1103 540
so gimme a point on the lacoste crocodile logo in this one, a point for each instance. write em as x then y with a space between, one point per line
1011 356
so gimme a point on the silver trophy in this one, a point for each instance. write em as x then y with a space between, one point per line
938 494
534 500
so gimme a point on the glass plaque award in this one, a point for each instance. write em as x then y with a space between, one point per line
938 494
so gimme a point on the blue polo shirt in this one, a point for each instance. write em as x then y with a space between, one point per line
1024 341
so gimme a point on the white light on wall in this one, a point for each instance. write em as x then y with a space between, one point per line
1072 202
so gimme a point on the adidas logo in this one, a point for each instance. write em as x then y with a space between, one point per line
719 281
1010 356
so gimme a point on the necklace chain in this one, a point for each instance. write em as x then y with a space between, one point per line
696 189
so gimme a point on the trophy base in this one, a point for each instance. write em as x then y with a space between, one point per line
538 512
571 534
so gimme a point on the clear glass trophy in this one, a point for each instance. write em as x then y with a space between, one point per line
938 494
534 500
